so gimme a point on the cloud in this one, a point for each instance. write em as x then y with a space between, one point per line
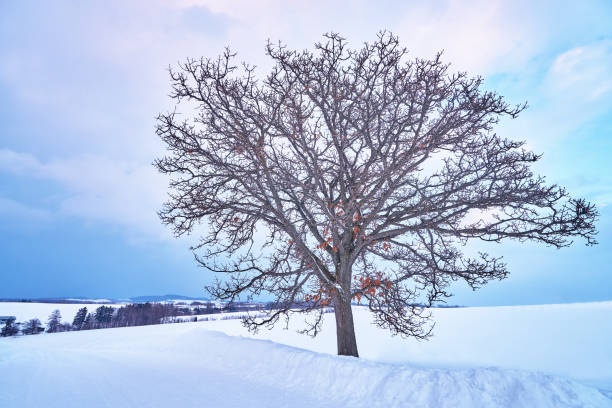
94 76
11 209
483 36
584 71
565 91
568 118
96 189
19 163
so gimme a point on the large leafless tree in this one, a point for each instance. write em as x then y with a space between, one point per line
351 175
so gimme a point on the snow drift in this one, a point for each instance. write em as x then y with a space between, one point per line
187 365
566 340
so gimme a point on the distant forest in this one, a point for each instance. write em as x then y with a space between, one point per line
135 314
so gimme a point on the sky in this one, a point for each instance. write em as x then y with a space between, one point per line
82 82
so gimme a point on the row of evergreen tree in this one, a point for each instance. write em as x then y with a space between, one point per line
12 328
137 314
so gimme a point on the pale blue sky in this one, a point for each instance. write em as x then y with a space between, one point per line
81 83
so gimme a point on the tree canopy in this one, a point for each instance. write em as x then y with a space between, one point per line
351 175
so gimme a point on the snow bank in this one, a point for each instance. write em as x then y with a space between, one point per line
186 365
568 340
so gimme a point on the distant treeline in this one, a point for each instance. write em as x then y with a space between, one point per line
138 314
134 314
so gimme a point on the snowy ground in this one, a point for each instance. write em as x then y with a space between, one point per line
571 340
478 358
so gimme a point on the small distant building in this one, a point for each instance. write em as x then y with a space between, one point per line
4 319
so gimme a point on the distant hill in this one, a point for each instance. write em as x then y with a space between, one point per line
64 300
164 298
137 299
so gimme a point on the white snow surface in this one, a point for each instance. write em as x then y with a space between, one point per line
193 365
87 300
570 340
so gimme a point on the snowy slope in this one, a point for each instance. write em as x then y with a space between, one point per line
186 365
569 340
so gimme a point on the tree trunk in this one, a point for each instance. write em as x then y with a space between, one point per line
345 329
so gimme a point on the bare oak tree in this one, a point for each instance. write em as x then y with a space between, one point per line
351 175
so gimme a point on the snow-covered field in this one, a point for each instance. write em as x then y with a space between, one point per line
525 356
25 311
571 340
